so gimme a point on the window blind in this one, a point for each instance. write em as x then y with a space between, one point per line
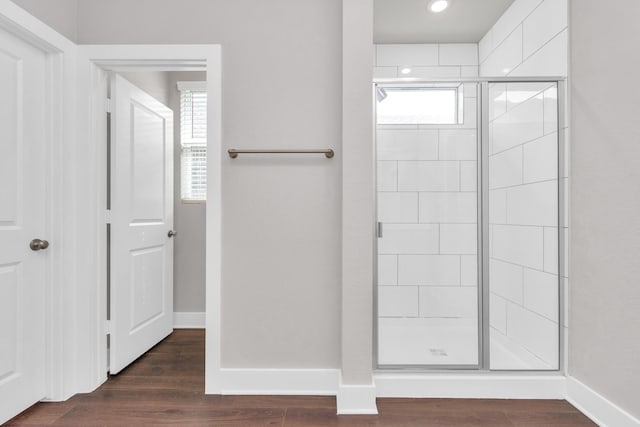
193 140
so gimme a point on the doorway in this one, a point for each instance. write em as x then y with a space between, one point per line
468 216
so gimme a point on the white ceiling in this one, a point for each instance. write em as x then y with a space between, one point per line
409 21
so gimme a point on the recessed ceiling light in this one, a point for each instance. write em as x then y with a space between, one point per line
437 6
405 70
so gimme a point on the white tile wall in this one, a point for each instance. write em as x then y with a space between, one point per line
455 207
457 144
506 280
549 60
407 144
387 175
468 176
387 270
409 239
448 302
429 270
533 204
459 54
541 159
541 293
498 206
519 245
434 72
458 238
505 168
406 54
396 301
397 207
551 250
469 270
498 313
545 22
521 124
551 110
537 334
505 57
429 176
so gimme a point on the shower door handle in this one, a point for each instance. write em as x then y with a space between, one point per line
379 229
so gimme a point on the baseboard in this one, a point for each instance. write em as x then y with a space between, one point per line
601 410
356 399
315 382
491 386
188 320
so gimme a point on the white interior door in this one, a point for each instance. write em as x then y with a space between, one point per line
23 213
141 222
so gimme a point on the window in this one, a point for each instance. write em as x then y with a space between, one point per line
193 141
419 105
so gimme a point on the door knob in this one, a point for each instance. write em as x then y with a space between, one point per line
172 233
37 244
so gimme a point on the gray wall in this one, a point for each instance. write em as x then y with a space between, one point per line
189 218
604 339
281 215
62 15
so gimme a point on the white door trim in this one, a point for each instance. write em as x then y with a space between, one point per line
94 61
61 140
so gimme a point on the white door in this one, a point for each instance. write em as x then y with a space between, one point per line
23 212
141 223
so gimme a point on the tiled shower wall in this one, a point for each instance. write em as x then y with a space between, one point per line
523 212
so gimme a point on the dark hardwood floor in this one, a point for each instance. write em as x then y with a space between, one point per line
165 387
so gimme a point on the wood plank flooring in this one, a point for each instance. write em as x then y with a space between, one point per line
165 387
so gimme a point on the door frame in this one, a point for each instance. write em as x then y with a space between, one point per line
60 198
95 61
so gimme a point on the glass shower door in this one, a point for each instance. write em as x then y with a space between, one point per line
427 208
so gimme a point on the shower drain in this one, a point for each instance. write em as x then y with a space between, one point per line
438 352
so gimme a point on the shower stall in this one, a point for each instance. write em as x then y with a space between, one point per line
470 225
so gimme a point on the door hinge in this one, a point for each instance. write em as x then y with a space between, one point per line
108 105
107 327
107 216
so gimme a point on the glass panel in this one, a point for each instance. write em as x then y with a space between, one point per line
427 254
523 226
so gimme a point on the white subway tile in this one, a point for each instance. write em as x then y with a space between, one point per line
396 301
518 125
533 204
409 239
470 90
469 270
505 168
505 58
498 206
551 250
429 270
536 333
458 144
541 293
458 239
550 60
545 22
498 313
470 113
497 100
505 280
513 17
454 207
485 47
519 244
459 54
410 144
387 176
434 72
398 207
469 71
468 176
541 159
518 93
406 54
448 302
385 72
387 270
429 176
551 110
